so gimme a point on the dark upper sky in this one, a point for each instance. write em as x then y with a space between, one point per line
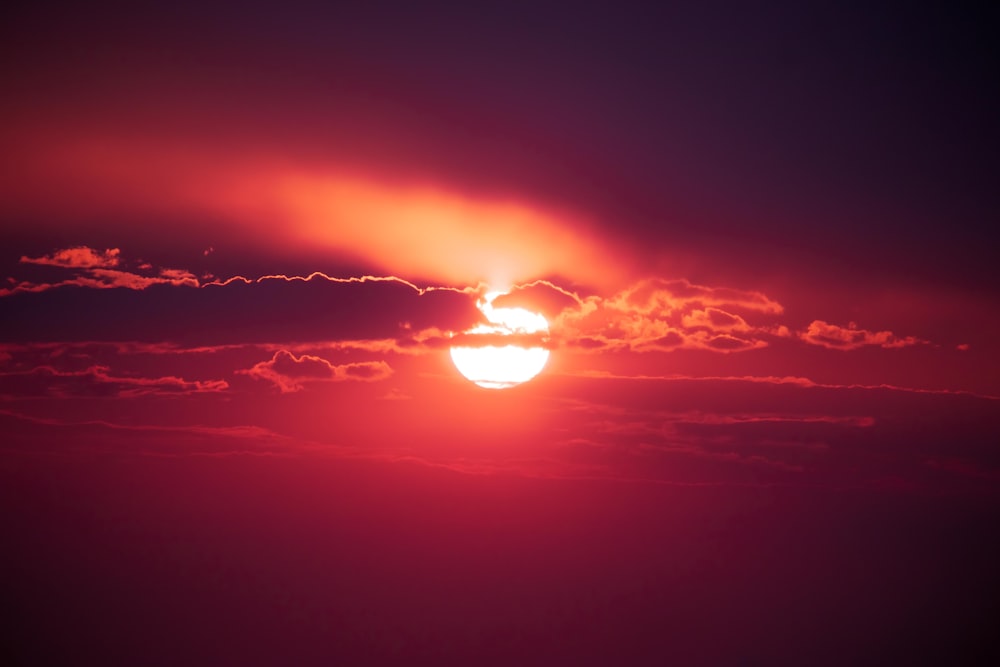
821 135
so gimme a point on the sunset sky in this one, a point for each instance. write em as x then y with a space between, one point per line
237 242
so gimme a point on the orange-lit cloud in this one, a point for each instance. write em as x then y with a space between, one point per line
835 337
714 319
290 373
663 296
80 257
658 315
98 270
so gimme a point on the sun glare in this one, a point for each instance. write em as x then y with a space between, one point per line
502 366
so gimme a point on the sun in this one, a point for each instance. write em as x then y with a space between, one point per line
509 364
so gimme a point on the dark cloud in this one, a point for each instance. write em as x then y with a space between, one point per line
271 310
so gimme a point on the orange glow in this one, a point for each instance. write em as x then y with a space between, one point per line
500 367
418 228
428 231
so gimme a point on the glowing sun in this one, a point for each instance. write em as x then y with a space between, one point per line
507 365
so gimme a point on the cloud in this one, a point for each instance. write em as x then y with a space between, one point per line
289 373
98 380
98 270
835 337
663 315
388 312
714 319
275 310
659 295
78 257
725 343
540 296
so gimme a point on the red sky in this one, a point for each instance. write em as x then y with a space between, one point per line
236 243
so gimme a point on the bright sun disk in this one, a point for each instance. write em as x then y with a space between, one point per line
500 367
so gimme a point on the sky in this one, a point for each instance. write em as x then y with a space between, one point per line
238 242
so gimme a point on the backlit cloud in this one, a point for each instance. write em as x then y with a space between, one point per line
272 309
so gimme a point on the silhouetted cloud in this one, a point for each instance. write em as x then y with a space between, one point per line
273 309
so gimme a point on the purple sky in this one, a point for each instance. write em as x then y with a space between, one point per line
236 242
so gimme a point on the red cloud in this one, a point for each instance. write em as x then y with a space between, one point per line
79 257
288 372
851 337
